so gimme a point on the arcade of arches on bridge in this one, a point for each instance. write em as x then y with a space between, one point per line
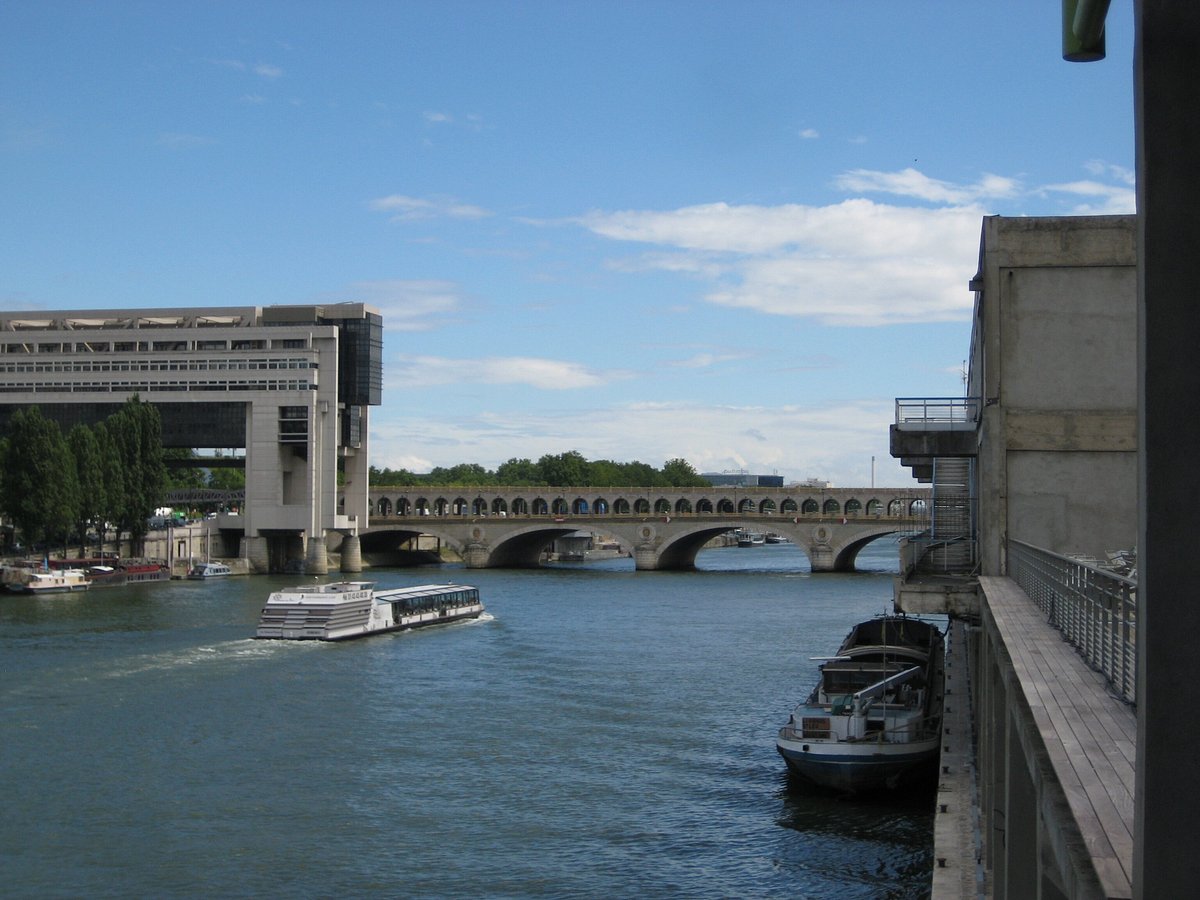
407 503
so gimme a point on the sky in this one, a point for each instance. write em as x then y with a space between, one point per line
732 232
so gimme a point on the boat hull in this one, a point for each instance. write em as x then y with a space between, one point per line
848 768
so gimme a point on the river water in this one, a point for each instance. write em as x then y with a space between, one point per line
600 733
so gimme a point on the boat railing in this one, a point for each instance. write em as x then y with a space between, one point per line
1095 609
912 730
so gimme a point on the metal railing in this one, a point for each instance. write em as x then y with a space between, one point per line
1096 610
937 413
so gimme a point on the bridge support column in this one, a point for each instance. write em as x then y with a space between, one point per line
476 555
352 554
254 550
820 551
316 557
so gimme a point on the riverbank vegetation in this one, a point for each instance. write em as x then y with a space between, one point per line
57 488
569 469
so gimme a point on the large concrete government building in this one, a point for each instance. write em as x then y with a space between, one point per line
290 384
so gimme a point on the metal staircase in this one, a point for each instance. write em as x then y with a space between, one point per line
952 519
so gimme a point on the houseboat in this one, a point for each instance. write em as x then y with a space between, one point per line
874 718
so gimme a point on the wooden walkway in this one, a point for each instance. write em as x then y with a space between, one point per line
1089 736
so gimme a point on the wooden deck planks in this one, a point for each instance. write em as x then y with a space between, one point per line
1089 735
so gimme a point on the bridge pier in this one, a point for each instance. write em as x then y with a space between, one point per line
255 551
476 555
316 557
351 554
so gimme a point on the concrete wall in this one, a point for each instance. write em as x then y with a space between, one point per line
1054 357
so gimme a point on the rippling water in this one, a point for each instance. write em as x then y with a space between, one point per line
600 733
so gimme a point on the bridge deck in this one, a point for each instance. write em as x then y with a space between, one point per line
1089 736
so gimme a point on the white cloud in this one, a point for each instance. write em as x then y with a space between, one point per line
852 263
406 305
857 262
407 209
1102 199
546 374
437 118
268 71
809 134
911 183
834 442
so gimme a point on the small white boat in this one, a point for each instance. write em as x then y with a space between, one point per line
348 609
750 539
45 581
201 571
874 718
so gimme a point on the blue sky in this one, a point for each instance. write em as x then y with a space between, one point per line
731 232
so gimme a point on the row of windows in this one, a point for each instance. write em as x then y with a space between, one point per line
27 347
120 387
158 365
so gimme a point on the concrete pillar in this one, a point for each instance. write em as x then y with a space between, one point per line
316 557
351 554
254 551
476 555
1166 97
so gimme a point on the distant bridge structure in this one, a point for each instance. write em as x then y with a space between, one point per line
661 528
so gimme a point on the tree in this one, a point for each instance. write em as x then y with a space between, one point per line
112 473
85 450
39 489
137 433
564 469
680 473
183 477
518 472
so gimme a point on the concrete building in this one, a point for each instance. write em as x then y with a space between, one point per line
290 384
1043 449
1040 458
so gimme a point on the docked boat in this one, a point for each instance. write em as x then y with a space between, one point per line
874 718
341 610
750 539
200 571
28 580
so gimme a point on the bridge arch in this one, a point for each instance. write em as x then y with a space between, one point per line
520 506
853 507
810 507
641 506
499 507
539 507
831 507
874 507
746 506
579 507
683 507
621 507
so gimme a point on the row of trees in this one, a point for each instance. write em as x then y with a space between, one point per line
55 487
569 469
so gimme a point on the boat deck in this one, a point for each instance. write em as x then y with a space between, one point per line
1090 737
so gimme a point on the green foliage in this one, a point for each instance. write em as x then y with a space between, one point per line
183 477
568 469
85 448
39 489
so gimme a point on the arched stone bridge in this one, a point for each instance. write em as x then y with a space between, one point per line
662 528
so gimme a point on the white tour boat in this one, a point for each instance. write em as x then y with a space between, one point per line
349 609
201 571
874 718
